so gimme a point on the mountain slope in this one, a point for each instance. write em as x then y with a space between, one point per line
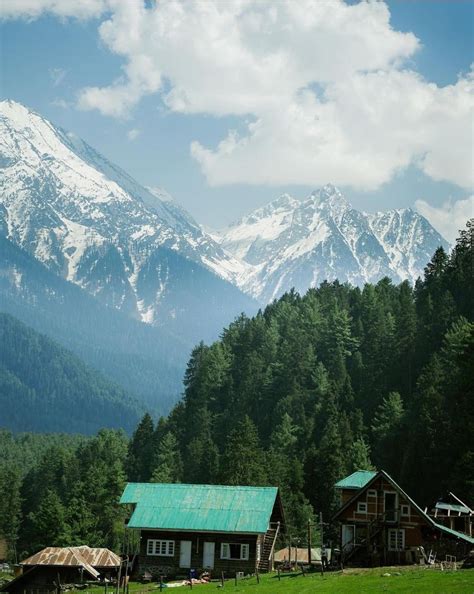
93 225
289 243
147 361
44 387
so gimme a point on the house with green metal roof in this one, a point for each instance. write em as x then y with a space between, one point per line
212 528
379 523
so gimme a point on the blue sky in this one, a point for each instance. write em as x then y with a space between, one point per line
48 59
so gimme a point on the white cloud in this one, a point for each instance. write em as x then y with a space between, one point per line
33 9
450 217
324 86
133 134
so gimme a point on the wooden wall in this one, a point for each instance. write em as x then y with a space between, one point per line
170 565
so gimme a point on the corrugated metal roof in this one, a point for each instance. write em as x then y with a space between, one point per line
356 480
207 508
453 507
455 533
301 555
82 556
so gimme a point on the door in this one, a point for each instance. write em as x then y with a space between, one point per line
348 537
185 554
208 551
390 506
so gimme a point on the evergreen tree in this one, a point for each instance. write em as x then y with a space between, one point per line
140 451
243 460
10 507
360 456
168 465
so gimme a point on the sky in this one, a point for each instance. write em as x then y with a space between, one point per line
227 105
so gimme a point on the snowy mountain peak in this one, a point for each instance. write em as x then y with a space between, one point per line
90 222
301 243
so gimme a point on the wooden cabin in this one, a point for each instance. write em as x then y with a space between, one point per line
52 568
380 524
211 528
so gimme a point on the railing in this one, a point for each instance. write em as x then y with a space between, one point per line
277 530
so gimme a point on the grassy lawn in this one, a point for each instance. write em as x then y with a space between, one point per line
357 581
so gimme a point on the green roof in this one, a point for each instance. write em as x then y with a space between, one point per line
453 507
207 508
356 480
455 533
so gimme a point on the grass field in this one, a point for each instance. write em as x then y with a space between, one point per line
357 581
414 580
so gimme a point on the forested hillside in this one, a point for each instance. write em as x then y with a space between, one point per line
310 389
44 387
339 379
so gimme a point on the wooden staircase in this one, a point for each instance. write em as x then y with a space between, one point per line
351 547
268 546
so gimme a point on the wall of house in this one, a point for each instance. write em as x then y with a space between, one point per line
170 566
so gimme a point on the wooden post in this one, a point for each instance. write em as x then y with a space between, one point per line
161 583
309 542
235 579
190 579
222 578
279 576
321 527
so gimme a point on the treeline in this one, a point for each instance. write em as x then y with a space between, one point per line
308 390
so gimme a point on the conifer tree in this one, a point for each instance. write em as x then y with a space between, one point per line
168 467
243 460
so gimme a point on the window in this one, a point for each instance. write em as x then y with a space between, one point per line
361 507
231 550
396 539
405 510
371 493
160 548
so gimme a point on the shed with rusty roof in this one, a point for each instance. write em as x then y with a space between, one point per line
53 567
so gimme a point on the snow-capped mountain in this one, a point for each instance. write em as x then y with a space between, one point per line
291 243
89 222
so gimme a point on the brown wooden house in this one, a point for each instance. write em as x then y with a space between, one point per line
381 524
212 528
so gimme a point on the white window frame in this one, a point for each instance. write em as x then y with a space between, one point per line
364 504
405 510
244 551
371 493
160 548
399 539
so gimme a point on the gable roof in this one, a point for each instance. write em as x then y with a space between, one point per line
81 556
356 480
61 556
203 508
423 514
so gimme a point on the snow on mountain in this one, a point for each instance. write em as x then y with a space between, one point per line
92 224
291 243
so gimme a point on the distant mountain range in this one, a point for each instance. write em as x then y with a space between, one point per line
124 277
292 243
